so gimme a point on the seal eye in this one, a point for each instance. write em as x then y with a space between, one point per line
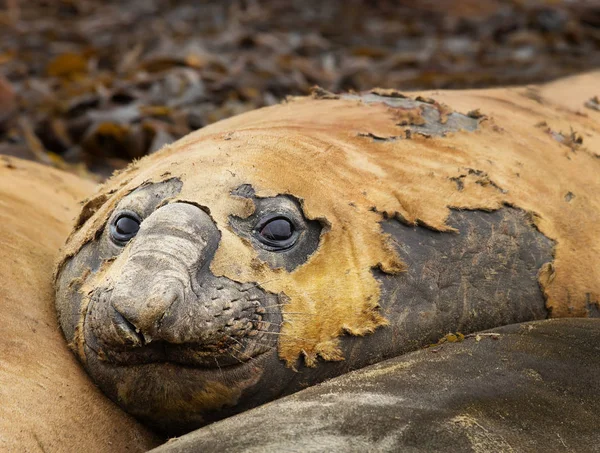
124 227
277 230
277 233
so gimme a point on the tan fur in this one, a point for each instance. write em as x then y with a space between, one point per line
322 152
47 402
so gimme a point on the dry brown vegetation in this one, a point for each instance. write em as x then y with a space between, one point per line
93 84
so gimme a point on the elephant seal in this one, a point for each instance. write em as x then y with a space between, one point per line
288 245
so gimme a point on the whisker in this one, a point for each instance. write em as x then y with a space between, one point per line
238 342
237 358
287 312
296 313
284 335
264 345
256 342
218 366
272 323
238 351
241 353
276 305
269 347
259 284
275 333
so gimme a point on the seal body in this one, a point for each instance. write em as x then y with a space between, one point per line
477 395
292 244
47 402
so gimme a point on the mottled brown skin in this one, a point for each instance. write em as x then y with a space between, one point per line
410 219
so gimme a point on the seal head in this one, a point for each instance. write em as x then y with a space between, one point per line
154 326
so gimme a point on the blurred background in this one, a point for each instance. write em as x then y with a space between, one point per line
89 85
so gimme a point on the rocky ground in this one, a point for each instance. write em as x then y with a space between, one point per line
89 85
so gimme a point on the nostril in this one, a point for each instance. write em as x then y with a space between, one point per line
127 331
161 305
138 319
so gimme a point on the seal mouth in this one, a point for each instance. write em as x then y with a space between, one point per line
217 365
187 355
230 333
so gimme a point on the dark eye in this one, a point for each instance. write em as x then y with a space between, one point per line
277 230
124 227
277 233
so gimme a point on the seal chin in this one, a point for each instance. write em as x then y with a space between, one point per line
174 398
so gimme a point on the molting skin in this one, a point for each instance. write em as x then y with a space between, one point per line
162 335
274 250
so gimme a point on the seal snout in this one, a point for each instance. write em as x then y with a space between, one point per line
127 331
161 303
153 274
139 324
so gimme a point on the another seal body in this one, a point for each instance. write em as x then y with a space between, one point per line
47 402
285 246
522 387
